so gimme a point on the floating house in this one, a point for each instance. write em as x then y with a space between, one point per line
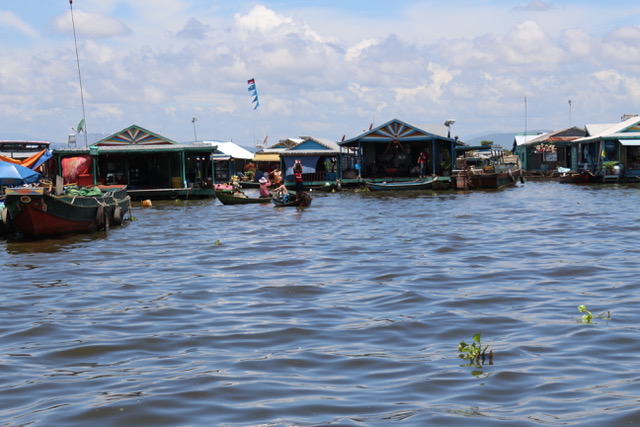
390 152
228 160
268 158
544 153
610 151
319 158
152 166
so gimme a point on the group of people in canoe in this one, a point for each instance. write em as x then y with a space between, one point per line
281 192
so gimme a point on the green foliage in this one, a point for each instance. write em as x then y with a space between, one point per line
587 317
474 352
445 164
486 143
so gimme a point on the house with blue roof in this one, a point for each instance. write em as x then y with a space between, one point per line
391 150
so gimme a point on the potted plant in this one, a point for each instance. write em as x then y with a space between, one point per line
446 166
608 166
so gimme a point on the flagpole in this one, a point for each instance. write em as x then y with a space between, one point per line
75 40
525 119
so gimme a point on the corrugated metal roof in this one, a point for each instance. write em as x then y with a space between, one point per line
627 129
521 139
231 149
556 136
107 149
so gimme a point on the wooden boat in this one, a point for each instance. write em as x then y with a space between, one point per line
407 185
494 178
229 198
486 168
303 200
584 177
35 212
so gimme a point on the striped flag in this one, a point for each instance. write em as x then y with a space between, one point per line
254 92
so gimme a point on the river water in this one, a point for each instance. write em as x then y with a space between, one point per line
347 313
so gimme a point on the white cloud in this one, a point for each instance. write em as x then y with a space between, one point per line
623 45
578 43
91 25
321 72
262 21
527 44
10 20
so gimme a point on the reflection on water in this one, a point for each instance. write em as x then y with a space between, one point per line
349 312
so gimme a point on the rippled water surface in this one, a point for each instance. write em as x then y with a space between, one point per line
347 313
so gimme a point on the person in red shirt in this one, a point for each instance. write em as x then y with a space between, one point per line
423 159
297 176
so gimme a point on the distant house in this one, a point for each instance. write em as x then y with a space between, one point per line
319 158
548 151
151 165
392 150
609 144
228 160
268 158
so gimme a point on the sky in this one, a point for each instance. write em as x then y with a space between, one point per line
325 69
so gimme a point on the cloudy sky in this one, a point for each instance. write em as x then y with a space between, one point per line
322 68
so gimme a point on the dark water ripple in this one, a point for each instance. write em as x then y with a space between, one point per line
347 313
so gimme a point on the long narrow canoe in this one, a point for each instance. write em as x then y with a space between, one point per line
396 186
228 198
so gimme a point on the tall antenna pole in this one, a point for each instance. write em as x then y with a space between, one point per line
525 119
75 40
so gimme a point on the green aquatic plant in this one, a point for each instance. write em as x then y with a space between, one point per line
217 243
474 352
587 317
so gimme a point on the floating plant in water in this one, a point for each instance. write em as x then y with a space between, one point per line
587 317
474 352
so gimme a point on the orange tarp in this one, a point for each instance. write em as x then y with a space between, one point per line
28 162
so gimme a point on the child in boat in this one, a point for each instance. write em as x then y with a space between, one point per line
281 193
264 187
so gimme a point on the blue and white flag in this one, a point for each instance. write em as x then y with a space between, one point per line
252 88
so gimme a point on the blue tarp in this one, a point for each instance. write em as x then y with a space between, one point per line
13 175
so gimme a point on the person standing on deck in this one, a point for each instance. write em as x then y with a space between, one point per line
423 160
297 176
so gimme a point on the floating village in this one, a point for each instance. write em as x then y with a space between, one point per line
49 191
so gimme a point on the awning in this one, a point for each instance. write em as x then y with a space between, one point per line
220 157
266 157
630 142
